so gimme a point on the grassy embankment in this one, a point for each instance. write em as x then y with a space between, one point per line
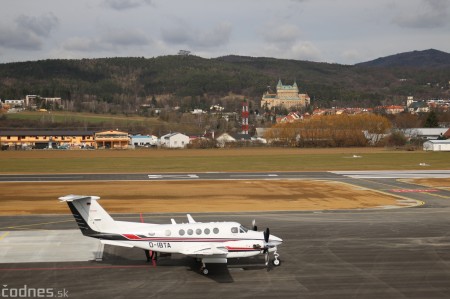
92 118
245 159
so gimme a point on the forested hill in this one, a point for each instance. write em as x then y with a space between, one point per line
419 59
110 79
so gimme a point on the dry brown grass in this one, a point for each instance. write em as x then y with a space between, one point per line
434 183
188 196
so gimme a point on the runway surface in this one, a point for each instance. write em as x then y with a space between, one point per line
394 253
221 176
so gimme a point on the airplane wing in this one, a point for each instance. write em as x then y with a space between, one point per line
206 250
115 243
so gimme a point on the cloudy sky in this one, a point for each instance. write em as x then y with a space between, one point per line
336 31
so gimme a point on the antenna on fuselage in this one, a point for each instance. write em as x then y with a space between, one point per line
190 219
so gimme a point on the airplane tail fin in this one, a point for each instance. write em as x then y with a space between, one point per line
91 218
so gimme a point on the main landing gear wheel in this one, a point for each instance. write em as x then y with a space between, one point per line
203 269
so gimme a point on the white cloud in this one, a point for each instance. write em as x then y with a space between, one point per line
184 35
305 50
41 26
109 41
325 30
126 4
83 44
126 38
285 41
429 14
28 33
351 56
286 34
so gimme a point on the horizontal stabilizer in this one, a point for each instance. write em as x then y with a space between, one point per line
73 197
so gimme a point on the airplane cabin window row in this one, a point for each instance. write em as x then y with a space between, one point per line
198 231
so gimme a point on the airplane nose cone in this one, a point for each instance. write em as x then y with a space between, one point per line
275 240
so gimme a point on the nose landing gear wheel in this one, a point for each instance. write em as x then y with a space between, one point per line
276 262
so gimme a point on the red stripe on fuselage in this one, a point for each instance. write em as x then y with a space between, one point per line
133 237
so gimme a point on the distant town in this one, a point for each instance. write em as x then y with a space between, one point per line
278 110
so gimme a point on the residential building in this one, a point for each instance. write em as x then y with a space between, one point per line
15 103
33 100
174 140
425 133
392 109
144 140
46 139
418 107
290 118
436 145
112 139
224 139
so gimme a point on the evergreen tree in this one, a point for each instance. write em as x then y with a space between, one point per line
431 121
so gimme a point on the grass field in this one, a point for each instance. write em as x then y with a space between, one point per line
204 196
242 159
183 196
64 116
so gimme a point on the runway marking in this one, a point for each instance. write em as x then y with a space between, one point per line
4 236
34 224
173 176
76 268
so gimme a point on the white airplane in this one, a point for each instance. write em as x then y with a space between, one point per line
209 242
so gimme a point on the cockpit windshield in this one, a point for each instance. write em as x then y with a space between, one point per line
243 229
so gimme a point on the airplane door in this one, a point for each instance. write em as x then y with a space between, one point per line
234 231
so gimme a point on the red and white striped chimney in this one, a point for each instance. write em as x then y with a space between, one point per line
245 115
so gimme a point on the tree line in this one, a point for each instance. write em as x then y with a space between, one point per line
330 131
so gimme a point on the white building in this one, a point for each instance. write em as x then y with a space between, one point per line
144 140
436 145
174 140
425 133
224 138
15 103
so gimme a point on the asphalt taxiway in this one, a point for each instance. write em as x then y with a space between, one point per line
385 253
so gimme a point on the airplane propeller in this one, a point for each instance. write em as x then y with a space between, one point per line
266 245
266 235
254 227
